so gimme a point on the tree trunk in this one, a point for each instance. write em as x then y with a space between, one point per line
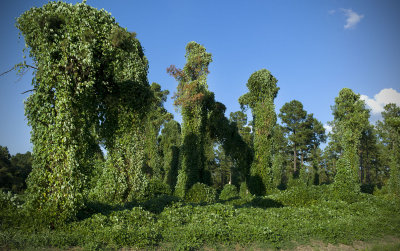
368 169
294 160
361 168
230 176
302 160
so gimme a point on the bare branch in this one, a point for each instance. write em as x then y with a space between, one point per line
18 65
4 73
30 66
31 90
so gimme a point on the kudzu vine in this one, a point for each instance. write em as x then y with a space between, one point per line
90 87
260 98
192 97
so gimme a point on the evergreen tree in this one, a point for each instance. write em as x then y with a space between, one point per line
303 131
389 131
293 116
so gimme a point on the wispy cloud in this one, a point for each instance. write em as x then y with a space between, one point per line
353 18
384 97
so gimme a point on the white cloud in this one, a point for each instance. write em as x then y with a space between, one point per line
353 18
331 12
384 97
328 128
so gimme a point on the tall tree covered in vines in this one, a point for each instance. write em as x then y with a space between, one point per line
90 86
192 97
156 118
260 98
350 120
389 130
170 142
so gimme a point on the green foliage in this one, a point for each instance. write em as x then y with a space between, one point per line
90 85
244 191
157 188
201 193
293 115
389 130
229 192
192 97
158 204
156 117
231 140
295 215
346 180
300 195
260 98
109 185
239 119
170 140
14 170
350 120
303 131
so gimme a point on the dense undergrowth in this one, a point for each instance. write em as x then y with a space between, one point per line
299 214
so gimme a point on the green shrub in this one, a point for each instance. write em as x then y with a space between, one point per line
157 188
157 205
10 200
253 221
244 192
200 193
228 192
381 192
302 195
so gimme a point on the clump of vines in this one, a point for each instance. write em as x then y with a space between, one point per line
90 88
260 98
192 97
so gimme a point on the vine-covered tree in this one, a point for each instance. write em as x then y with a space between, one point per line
389 130
90 85
170 141
260 98
156 118
281 157
192 97
368 152
315 135
350 120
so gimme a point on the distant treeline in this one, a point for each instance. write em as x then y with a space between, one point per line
14 169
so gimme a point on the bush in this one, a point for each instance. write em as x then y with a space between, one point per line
228 192
258 220
157 188
9 200
244 192
200 193
157 205
299 196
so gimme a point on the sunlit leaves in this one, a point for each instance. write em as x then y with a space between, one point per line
90 85
260 98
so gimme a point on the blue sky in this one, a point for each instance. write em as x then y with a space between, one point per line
314 49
